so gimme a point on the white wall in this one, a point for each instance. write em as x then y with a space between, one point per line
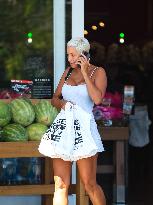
77 18
59 40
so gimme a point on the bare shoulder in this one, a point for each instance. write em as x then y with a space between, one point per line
100 70
100 73
64 75
101 79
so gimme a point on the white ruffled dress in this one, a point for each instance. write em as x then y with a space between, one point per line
73 135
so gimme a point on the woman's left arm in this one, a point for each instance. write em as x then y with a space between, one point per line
96 88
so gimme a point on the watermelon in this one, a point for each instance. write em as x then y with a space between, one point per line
5 114
14 132
22 112
35 131
45 112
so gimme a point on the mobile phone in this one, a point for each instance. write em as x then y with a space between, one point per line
87 56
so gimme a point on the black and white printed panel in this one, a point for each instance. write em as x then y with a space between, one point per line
55 130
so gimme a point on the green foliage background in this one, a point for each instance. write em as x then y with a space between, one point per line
17 18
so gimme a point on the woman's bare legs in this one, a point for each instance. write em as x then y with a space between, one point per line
87 170
62 173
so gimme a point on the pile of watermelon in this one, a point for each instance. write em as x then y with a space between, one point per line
20 120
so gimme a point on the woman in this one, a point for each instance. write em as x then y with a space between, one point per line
85 86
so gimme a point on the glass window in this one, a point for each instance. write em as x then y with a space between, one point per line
26 46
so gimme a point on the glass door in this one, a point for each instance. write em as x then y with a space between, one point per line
26 46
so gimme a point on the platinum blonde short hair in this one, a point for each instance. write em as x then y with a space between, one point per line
80 43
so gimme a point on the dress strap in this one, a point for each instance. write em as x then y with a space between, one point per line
93 72
69 73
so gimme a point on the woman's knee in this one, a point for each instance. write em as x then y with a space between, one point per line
89 185
61 183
